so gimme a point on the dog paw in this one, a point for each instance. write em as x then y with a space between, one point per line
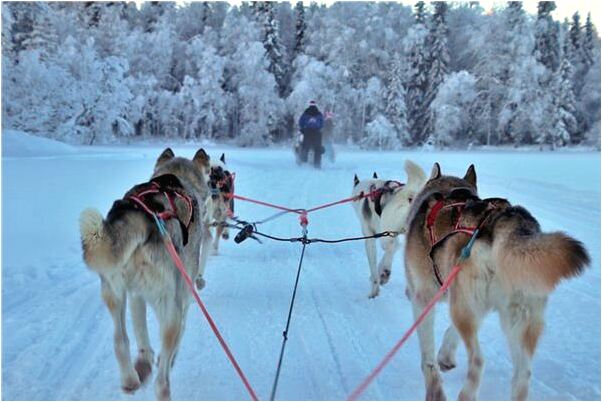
130 384
435 393
200 283
446 364
144 368
374 292
384 276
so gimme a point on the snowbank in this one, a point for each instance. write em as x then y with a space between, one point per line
19 144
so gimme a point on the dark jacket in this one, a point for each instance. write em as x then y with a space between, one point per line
311 120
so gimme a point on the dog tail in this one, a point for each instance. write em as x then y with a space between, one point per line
536 263
416 176
109 245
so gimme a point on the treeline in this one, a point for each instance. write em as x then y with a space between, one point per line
438 74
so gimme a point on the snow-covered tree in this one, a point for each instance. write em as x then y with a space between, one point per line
576 42
394 98
381 135
438 62
300 27
547 43
416 79
452 109
564 124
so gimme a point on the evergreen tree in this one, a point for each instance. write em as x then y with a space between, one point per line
563 124
272 44
395 105
300 27
575 39
438 62
588 41
420 13
547 49
7 33
416 77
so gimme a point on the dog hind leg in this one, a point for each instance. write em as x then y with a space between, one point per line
205 244
170 317
116 303
218 234
144 361
389 246
430 370
447 353
374 276
522 328
467 322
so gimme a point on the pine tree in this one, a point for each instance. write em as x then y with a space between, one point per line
575 39
438 63
7 32
395 105
563 127
546 36
300 27
272 45
588 41
416 77
419 13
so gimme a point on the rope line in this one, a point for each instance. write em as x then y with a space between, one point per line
180 265
288 323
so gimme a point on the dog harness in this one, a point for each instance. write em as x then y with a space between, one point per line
168 185
376 194
432 219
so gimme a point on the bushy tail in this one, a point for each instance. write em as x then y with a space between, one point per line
416 176
109 246
536 263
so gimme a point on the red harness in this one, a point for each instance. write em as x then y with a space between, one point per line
155 187
432 218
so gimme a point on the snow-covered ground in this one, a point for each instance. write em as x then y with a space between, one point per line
57 335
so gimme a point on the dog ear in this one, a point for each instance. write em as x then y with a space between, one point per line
471 176
374 175
435 172
356 181
201 159
165 156
223 158
416 176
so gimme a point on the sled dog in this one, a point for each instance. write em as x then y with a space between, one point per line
512 268
218 207
127 251
386 209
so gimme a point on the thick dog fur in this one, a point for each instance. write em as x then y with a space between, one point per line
389 214
512 268
217 207
127 252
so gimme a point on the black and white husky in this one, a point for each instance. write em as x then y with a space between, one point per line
386 209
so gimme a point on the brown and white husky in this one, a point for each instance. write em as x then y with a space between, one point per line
385 210
512 268
127 251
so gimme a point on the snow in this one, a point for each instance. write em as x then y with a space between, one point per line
58 335
20 144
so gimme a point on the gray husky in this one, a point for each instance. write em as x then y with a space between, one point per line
126 250
512 269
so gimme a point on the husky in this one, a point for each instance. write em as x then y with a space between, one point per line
385 210
127 251
512 269
218 207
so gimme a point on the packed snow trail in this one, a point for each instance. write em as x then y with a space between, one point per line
58 335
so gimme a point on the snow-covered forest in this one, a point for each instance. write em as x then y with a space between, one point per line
437 74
